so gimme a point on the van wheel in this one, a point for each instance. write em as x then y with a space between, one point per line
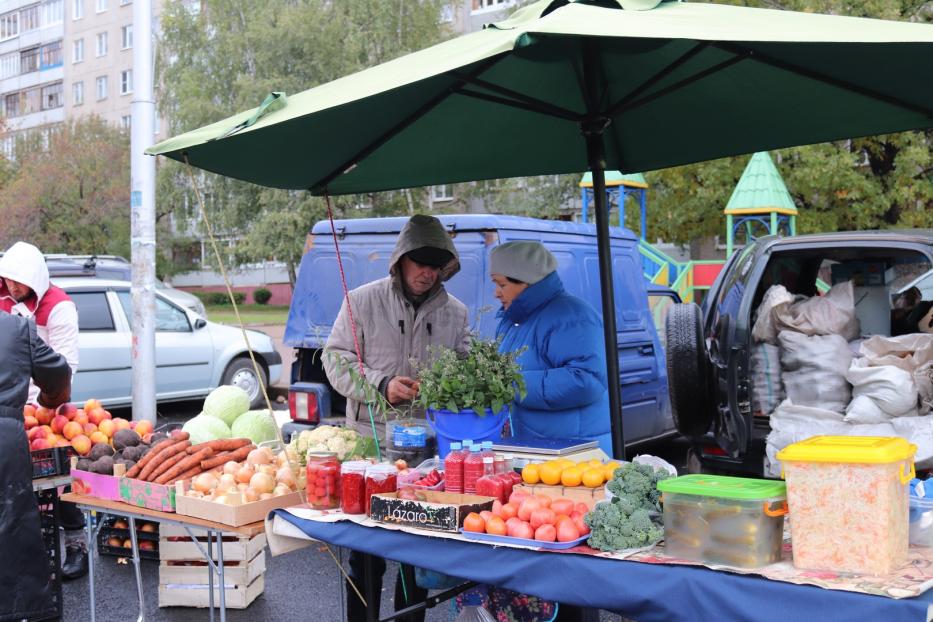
688 370
240 372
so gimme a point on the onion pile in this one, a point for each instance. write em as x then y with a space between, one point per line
263 475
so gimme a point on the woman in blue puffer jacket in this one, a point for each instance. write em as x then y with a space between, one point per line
564 364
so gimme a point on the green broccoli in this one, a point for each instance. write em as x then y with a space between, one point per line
638 482
614 529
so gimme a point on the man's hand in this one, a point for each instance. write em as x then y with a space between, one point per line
401 389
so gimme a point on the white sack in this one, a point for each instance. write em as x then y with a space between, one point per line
919 431
763 330
880 393
767 386
814 369
832 314
913 353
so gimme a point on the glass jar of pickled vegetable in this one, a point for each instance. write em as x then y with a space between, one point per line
353 486
323 484
380 478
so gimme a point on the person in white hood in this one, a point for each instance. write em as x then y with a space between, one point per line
25 290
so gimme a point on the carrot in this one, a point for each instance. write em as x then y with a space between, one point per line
167 463
235 456
166 453
146 459
179 435
222 444
188 464
190 473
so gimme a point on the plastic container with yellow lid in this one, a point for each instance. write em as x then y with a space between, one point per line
848 499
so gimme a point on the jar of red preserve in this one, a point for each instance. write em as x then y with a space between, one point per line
353 486
323 487
380 478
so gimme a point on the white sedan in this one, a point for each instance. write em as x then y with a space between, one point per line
193 355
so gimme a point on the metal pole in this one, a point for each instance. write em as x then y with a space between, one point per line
139 580
91 549
596 158
142 210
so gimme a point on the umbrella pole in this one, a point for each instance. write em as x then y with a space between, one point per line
596 158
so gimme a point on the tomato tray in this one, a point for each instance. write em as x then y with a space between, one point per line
554 546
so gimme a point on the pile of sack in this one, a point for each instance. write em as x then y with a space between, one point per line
813 375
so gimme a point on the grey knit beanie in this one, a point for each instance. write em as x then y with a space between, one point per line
528 262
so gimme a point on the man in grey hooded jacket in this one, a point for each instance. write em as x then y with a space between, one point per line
397 319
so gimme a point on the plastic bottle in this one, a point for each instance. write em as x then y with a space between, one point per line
488 466
487 449
472 469
499 464
453 468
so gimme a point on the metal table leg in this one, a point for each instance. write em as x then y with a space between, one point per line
139 578
373 598
210 571
220 574
91 547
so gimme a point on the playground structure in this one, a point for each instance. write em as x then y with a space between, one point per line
759 202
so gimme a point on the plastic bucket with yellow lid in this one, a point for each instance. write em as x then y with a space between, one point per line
848 499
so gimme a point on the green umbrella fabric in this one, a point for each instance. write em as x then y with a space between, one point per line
679 83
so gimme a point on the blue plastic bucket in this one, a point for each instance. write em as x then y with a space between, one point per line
452 427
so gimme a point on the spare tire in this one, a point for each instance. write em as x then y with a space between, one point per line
688 370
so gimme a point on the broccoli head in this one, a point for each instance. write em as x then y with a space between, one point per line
639 483
614 528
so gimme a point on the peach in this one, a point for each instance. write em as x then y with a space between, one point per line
108 427
39 443
81 418
72 429
62 443
91 404
58 423
89 428
99 438
82 444
95 415
107 414
67 410
30 422
48 430
29 410
44 415
121 423
143 427
35 433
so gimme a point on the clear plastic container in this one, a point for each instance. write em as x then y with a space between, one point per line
733 521
414 475
472 469
848 500
921 521
453 468
411 440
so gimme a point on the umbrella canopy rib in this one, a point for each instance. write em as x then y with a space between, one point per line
545 110
819 77
532 102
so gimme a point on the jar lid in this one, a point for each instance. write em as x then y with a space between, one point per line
723 486
487 459
853 449
355 465
322 454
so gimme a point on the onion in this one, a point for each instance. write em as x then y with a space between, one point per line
244 474
226 481
281 489
282 459
231 467
205 482
265 495
250 495
285 476
268 469
220 499
261 482
259 456
242 487
197 494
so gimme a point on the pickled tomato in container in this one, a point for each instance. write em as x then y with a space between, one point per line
848 502
353 486
323 480
380 478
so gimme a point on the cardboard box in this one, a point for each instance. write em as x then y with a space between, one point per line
147 494
235 597
95 485
440 511
577 494
235 515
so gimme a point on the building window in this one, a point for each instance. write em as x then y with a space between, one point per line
101 44
32 100
9 65
101 87
126 82
52 55
126 122
441 193
11 105
447 13
126 36
101 6
53 12
8 147
29 60
77 93
29 18
77 9
52 96
9 25
77 50
491 5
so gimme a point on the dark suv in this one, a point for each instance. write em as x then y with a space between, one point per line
709 348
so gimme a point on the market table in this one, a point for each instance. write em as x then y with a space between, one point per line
645 592
214 530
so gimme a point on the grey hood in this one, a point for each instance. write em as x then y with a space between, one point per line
422 230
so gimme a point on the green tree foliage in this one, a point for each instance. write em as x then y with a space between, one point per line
71 194
868 183
228 55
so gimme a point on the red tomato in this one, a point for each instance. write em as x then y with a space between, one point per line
486 514
508 511
546 533
562 506
511 524
545 500
567 531
497 507
496 526
517 496
525 531
582 508
581 526
527 507
542 516
474 522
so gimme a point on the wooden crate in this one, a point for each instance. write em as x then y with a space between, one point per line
175 544
581 494
235 573
182 595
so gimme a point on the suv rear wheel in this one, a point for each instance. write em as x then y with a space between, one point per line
688 370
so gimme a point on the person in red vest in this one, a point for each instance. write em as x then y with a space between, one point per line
25 290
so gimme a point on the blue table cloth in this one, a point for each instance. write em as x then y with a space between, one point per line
644 592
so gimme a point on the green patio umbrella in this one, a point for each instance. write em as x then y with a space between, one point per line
563 87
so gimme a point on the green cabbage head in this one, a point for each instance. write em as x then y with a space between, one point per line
226 402
203 428
257 425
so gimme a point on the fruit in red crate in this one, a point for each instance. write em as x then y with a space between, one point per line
567 531
127 544
107 426
72 429
147 545
44 415
496 526
30 422
474 522
114 541
546 533
68 411
81 444
58 423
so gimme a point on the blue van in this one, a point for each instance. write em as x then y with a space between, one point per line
366 245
